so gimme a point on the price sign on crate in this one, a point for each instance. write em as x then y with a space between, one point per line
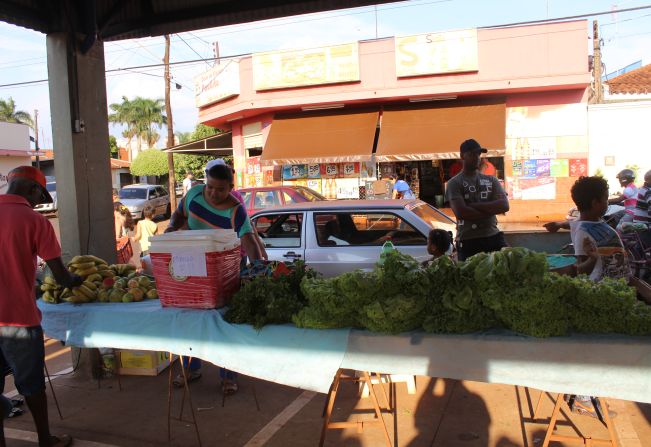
188 262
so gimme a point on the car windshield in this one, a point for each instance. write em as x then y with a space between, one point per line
430 215
133 193
310 195
51 187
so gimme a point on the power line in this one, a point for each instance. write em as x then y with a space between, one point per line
210 59
195 51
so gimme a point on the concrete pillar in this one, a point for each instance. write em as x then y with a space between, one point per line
81 147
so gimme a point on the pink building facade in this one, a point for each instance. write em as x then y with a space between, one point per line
520 91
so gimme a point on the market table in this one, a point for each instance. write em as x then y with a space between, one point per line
607 366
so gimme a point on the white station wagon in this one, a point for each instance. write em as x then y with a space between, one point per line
335 237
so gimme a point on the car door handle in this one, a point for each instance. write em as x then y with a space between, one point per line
291 254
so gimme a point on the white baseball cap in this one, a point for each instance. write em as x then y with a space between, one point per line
215 162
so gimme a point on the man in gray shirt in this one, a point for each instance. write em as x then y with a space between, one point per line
476 199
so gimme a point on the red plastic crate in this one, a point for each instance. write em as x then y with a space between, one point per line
199 292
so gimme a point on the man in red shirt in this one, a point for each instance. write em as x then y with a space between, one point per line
25 235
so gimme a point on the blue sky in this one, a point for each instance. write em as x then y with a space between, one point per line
627 38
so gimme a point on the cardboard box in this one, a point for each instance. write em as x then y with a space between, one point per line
141 363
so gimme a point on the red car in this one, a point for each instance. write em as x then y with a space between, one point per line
258 199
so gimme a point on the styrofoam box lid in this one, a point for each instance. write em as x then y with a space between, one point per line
208 240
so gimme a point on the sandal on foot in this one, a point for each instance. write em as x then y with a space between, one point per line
60 441
193 376
229 387
15 412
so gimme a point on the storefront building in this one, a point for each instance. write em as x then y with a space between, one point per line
339 118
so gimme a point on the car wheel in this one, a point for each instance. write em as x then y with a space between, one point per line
168 211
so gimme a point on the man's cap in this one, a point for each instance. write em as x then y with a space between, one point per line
471 146
33 174
215 162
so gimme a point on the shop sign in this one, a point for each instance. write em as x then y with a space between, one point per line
329 170
578 167
253 166
314 184
433 53
543 188
517 168
314 171
220 82
314 66
560 168
294 172
529 168
350 169
542 168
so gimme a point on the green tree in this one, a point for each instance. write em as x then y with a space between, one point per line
9 114
184 163
139 115
150 162
203 131
184 137
113 145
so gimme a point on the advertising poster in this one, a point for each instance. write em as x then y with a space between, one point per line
350 170
560 168
329 170
314 184
543 188
543 168
578 167
268 177
347 188
368 169
329 188
529 168
314 171
517 168
294 172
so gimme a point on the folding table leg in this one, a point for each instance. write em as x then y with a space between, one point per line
379 381
540 398
186 390
56 402
330 402
378 412
552 421
609 422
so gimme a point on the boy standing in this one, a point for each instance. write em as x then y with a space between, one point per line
145 229
599 250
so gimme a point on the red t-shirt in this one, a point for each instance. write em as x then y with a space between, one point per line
24 234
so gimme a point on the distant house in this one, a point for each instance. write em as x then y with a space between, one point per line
14 149
634 85
120 172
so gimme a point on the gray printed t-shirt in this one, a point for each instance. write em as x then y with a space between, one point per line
477 188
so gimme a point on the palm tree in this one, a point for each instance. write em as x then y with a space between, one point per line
9 114
139 115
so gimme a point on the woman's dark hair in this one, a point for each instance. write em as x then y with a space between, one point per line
587 189
221 172
401 176
440 238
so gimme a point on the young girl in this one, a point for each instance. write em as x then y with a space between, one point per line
123 220
145 229
438 244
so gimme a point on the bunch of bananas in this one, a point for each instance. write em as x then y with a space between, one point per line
99 279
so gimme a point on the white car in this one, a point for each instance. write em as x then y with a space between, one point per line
51 187
335 237
136 197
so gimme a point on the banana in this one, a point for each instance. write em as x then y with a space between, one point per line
97 260
83 290
94 277
48 298
107 273
103 267
91 285
87 272
56 294
50 280
48 287
77 299
83 265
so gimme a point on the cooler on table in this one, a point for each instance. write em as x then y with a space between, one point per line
218 249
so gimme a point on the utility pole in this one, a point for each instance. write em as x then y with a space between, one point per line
596 64
170 127
38 160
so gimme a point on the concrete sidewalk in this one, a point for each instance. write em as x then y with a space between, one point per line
442 413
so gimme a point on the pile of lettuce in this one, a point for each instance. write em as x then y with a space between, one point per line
510 289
